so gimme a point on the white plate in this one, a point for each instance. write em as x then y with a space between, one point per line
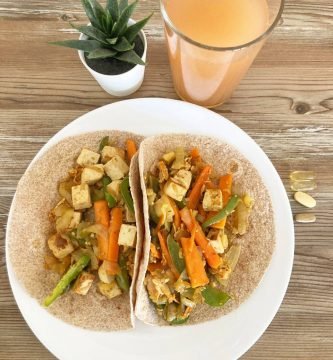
228 337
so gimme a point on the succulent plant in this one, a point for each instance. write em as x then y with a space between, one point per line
109 35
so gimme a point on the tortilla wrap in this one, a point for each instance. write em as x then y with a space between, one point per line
257 244
30 228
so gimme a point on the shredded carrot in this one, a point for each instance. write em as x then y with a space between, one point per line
160 223
115 224
208 251
194 265
195 193
166 254
131 148
102 216
195 155
111 267
176 213
225 185
201 211
155 253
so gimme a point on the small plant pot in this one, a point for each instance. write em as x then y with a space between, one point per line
122 84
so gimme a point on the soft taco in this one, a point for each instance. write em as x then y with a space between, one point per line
75 235
209 229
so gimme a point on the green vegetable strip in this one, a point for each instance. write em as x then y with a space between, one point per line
108 197
126 194
122 278
227 210
214 297
104 142
72 273
174 250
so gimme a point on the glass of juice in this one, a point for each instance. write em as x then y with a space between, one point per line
212 43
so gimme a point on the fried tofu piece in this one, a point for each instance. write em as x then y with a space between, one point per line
60 246
109 152
87 157
127 235
114 189
116 168
81 197
212 200
91 174
83 283
109 290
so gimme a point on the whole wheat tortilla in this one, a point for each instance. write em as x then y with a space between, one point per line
30 228
257 244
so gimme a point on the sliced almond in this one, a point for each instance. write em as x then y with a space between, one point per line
305 218
305 199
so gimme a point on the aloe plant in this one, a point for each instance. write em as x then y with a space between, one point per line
109 35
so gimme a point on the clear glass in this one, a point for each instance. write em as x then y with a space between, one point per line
207 75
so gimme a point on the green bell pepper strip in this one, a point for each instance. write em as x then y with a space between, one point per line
107 196
97 194
72 273
122 278
179 321
104 142
180 204
174 250
227 210
214 297
126 194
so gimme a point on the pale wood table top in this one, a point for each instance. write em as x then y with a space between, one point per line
285 103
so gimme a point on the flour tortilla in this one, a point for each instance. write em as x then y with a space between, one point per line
30 228
257 244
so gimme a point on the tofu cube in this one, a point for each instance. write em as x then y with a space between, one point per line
183 178
129 215
114 189
163 207
81 197
83 283
76 219
116 168
109 152
109 290
127 235
91 174
103 275
87 157
212 200
175 191
60 246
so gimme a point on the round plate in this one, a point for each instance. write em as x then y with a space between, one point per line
228 337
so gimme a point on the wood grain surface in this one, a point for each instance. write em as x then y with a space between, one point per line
285 103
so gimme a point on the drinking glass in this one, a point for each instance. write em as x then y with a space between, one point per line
207 75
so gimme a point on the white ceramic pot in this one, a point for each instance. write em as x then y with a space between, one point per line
122 84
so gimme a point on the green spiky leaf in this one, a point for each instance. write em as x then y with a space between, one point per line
123 45
91 32
130 57
121 25
97 9
133 30
84 45
112 6
122 5
90 13
102 53
112 41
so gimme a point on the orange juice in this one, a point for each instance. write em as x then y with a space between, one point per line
205 75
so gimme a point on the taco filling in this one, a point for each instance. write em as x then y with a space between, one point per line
195 217
94 234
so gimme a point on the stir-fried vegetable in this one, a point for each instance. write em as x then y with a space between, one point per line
94 224
73 272
192 214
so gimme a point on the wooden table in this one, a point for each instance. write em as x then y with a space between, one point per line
285 103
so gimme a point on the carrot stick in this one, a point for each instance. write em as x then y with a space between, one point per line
113 249
166 254
194 265
208 251
196 190
176 213
102 216
131 148
225 185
